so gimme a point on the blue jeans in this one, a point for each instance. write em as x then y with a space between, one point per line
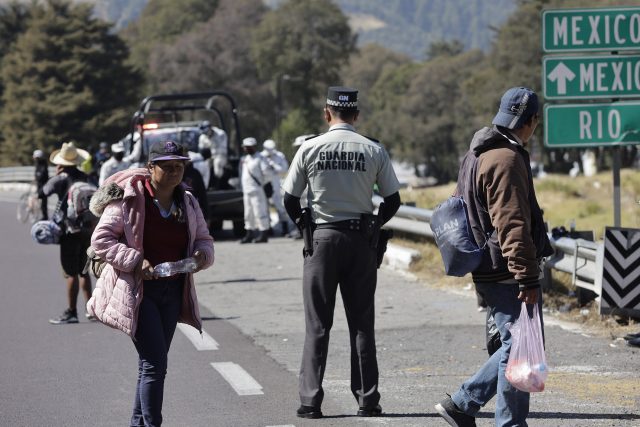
157 320
512 405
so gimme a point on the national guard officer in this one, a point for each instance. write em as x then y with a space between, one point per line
339 169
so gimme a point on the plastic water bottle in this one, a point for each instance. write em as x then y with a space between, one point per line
166 269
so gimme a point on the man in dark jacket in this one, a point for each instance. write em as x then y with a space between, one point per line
41 177
194 181
496 182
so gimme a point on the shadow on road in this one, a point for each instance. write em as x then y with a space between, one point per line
249 280
582 416
207 318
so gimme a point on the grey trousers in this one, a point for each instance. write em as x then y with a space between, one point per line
343 258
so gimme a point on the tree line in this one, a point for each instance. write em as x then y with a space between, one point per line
65 75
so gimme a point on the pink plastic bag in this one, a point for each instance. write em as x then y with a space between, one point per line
527 366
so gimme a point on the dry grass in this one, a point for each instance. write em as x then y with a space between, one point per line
587 201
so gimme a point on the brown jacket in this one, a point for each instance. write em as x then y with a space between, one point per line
495 181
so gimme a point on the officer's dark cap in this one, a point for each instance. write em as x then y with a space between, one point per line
343 98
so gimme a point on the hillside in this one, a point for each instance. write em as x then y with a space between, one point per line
407 26
410 26
120 12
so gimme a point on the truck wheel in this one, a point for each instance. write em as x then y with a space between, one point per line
238 228
216 225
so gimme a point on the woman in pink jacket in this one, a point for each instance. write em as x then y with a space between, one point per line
147 218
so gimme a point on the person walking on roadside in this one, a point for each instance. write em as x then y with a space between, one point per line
279 164
192 178
253 176
147 218
496 182
216 143
339 169
115 163
73 242
41 178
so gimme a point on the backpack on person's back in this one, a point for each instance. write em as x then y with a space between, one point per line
78 217
72 215
453 235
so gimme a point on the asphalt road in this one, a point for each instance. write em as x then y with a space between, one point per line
429 341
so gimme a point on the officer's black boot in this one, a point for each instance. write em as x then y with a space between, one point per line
248 237
263 237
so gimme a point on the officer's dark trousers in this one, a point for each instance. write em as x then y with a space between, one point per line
342 258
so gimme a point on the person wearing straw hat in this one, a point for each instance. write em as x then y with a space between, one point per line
73 246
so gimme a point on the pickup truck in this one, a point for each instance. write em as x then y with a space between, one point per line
179 117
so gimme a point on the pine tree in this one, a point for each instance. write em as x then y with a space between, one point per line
305 43
64 79
13 19
161 22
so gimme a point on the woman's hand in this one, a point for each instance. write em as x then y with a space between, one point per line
145 270
200 260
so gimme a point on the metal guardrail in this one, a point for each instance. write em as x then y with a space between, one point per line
577 257
20 174
17 174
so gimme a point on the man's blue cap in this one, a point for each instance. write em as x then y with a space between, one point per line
517 105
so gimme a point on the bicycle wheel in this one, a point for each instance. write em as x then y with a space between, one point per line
35 214
24 211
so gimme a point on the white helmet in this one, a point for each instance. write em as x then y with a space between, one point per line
249 142
118 147
269 144
38 154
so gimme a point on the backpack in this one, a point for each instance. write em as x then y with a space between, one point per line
78 216
452 232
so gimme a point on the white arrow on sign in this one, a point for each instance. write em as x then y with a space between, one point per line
561 73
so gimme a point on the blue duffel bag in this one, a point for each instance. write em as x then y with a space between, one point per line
450 225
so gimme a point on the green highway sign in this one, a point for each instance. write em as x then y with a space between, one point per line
588 77
591 125
580 30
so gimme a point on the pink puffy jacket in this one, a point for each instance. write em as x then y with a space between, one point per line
117 239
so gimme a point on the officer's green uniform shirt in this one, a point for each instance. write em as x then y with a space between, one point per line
340 168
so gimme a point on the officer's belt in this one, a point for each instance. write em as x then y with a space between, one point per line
347 224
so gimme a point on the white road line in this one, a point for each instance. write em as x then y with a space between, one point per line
201 343
238 378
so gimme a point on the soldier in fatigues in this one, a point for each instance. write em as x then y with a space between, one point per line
339 169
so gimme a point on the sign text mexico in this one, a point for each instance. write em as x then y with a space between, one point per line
575 30
589 77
